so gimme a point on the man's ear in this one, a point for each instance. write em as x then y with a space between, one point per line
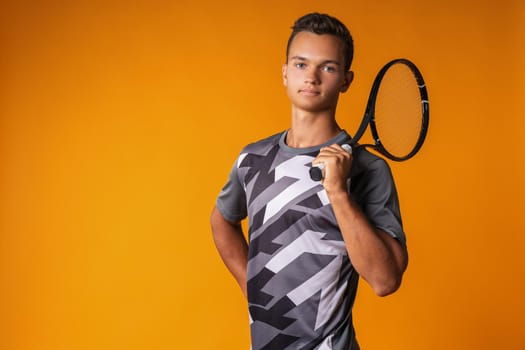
284 72
349 77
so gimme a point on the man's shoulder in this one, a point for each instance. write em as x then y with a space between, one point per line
263 145
365 161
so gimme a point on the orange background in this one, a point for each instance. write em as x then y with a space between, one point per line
119 123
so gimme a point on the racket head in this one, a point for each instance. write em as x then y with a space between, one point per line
398 110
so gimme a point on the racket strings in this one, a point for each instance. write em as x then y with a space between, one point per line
398 111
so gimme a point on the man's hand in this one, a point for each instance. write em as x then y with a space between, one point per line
336 165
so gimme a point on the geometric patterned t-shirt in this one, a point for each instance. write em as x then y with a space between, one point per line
301 284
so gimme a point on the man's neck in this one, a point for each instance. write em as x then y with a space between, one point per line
311 129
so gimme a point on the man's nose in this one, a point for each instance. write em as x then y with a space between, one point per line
312 76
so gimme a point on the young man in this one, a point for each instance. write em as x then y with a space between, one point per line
310 241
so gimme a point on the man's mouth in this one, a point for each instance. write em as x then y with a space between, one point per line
309 92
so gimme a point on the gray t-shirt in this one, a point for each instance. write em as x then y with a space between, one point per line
301 282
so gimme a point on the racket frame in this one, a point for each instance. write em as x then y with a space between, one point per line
369 117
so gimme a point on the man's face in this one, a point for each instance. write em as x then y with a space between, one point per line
314 74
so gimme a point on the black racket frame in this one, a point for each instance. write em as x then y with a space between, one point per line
369 117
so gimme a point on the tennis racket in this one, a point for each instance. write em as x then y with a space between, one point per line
397 113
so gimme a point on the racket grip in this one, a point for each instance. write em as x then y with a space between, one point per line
317 171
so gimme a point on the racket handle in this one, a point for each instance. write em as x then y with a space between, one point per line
317 171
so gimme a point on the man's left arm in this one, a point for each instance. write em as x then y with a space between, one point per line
377 256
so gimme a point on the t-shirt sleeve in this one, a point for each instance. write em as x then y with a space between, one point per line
377 195
231 201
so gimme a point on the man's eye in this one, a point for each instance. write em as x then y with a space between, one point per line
300 65
329 69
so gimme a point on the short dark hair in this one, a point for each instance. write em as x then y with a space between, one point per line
320 23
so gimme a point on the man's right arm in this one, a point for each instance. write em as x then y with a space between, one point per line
232 246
